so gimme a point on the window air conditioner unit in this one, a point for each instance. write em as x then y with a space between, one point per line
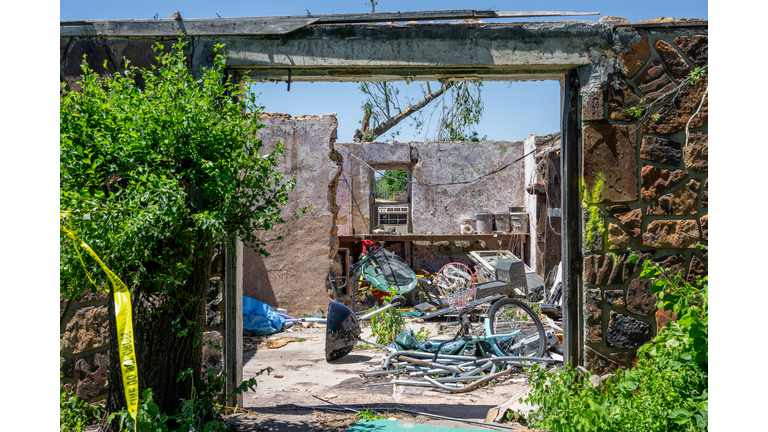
394 216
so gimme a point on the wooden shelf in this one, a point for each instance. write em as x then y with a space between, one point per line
428 237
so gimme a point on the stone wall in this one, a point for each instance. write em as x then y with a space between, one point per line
642 189
84 334
295 274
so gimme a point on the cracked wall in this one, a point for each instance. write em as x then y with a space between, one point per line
435 209
294 276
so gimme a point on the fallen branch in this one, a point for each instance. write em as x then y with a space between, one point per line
367 136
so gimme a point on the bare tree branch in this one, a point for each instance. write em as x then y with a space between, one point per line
392 121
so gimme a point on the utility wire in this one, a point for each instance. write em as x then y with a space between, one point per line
440 184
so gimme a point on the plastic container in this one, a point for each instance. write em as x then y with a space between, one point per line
501 222
519 222
484 222
467 225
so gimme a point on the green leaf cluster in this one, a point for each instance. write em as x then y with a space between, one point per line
666 391
75 413
157 165
200 413
387 325
369 415
386 186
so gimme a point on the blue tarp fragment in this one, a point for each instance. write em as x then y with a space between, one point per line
259 318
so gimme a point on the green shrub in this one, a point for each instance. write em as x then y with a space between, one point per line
75 413
387 325
666 391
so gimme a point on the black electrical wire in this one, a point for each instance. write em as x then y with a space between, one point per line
441 184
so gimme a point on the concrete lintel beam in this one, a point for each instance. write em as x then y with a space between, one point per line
403 74
564 44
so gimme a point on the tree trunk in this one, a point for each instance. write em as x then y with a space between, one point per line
161 354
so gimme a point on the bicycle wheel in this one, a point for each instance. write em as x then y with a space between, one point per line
509 316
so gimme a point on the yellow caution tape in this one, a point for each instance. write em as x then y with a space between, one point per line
124 319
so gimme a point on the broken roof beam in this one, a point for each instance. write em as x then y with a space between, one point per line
273 25
419 51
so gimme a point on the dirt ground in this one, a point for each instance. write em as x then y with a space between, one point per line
301 373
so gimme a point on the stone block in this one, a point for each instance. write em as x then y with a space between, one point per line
90 297
696 154
95 52
609 164
705 199
660 150
696 47
213 358
611 268
93 375
63 303
657 181
138 54
598 363
704 221
620 98
620 357
593 228
594 328
640 299
66 365
617 237
673 264
615 298
672 58
86 330
674 115
681 202
634 59
213 302
593 105
626 332
697 268
654 81
673 234
632 221
592 300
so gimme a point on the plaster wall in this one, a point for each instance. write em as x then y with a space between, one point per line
435 209
294 275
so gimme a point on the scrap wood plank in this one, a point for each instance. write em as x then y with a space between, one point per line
496 413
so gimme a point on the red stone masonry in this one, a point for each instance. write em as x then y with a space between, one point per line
661 182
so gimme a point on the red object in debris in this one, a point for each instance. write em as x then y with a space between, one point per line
367 243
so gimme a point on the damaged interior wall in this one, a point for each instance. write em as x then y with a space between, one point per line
643 188
295 275
434 210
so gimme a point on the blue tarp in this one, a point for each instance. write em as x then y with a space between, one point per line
259 318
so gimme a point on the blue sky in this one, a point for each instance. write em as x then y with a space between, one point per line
512 111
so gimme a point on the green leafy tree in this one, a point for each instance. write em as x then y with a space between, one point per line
395 181
156 168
